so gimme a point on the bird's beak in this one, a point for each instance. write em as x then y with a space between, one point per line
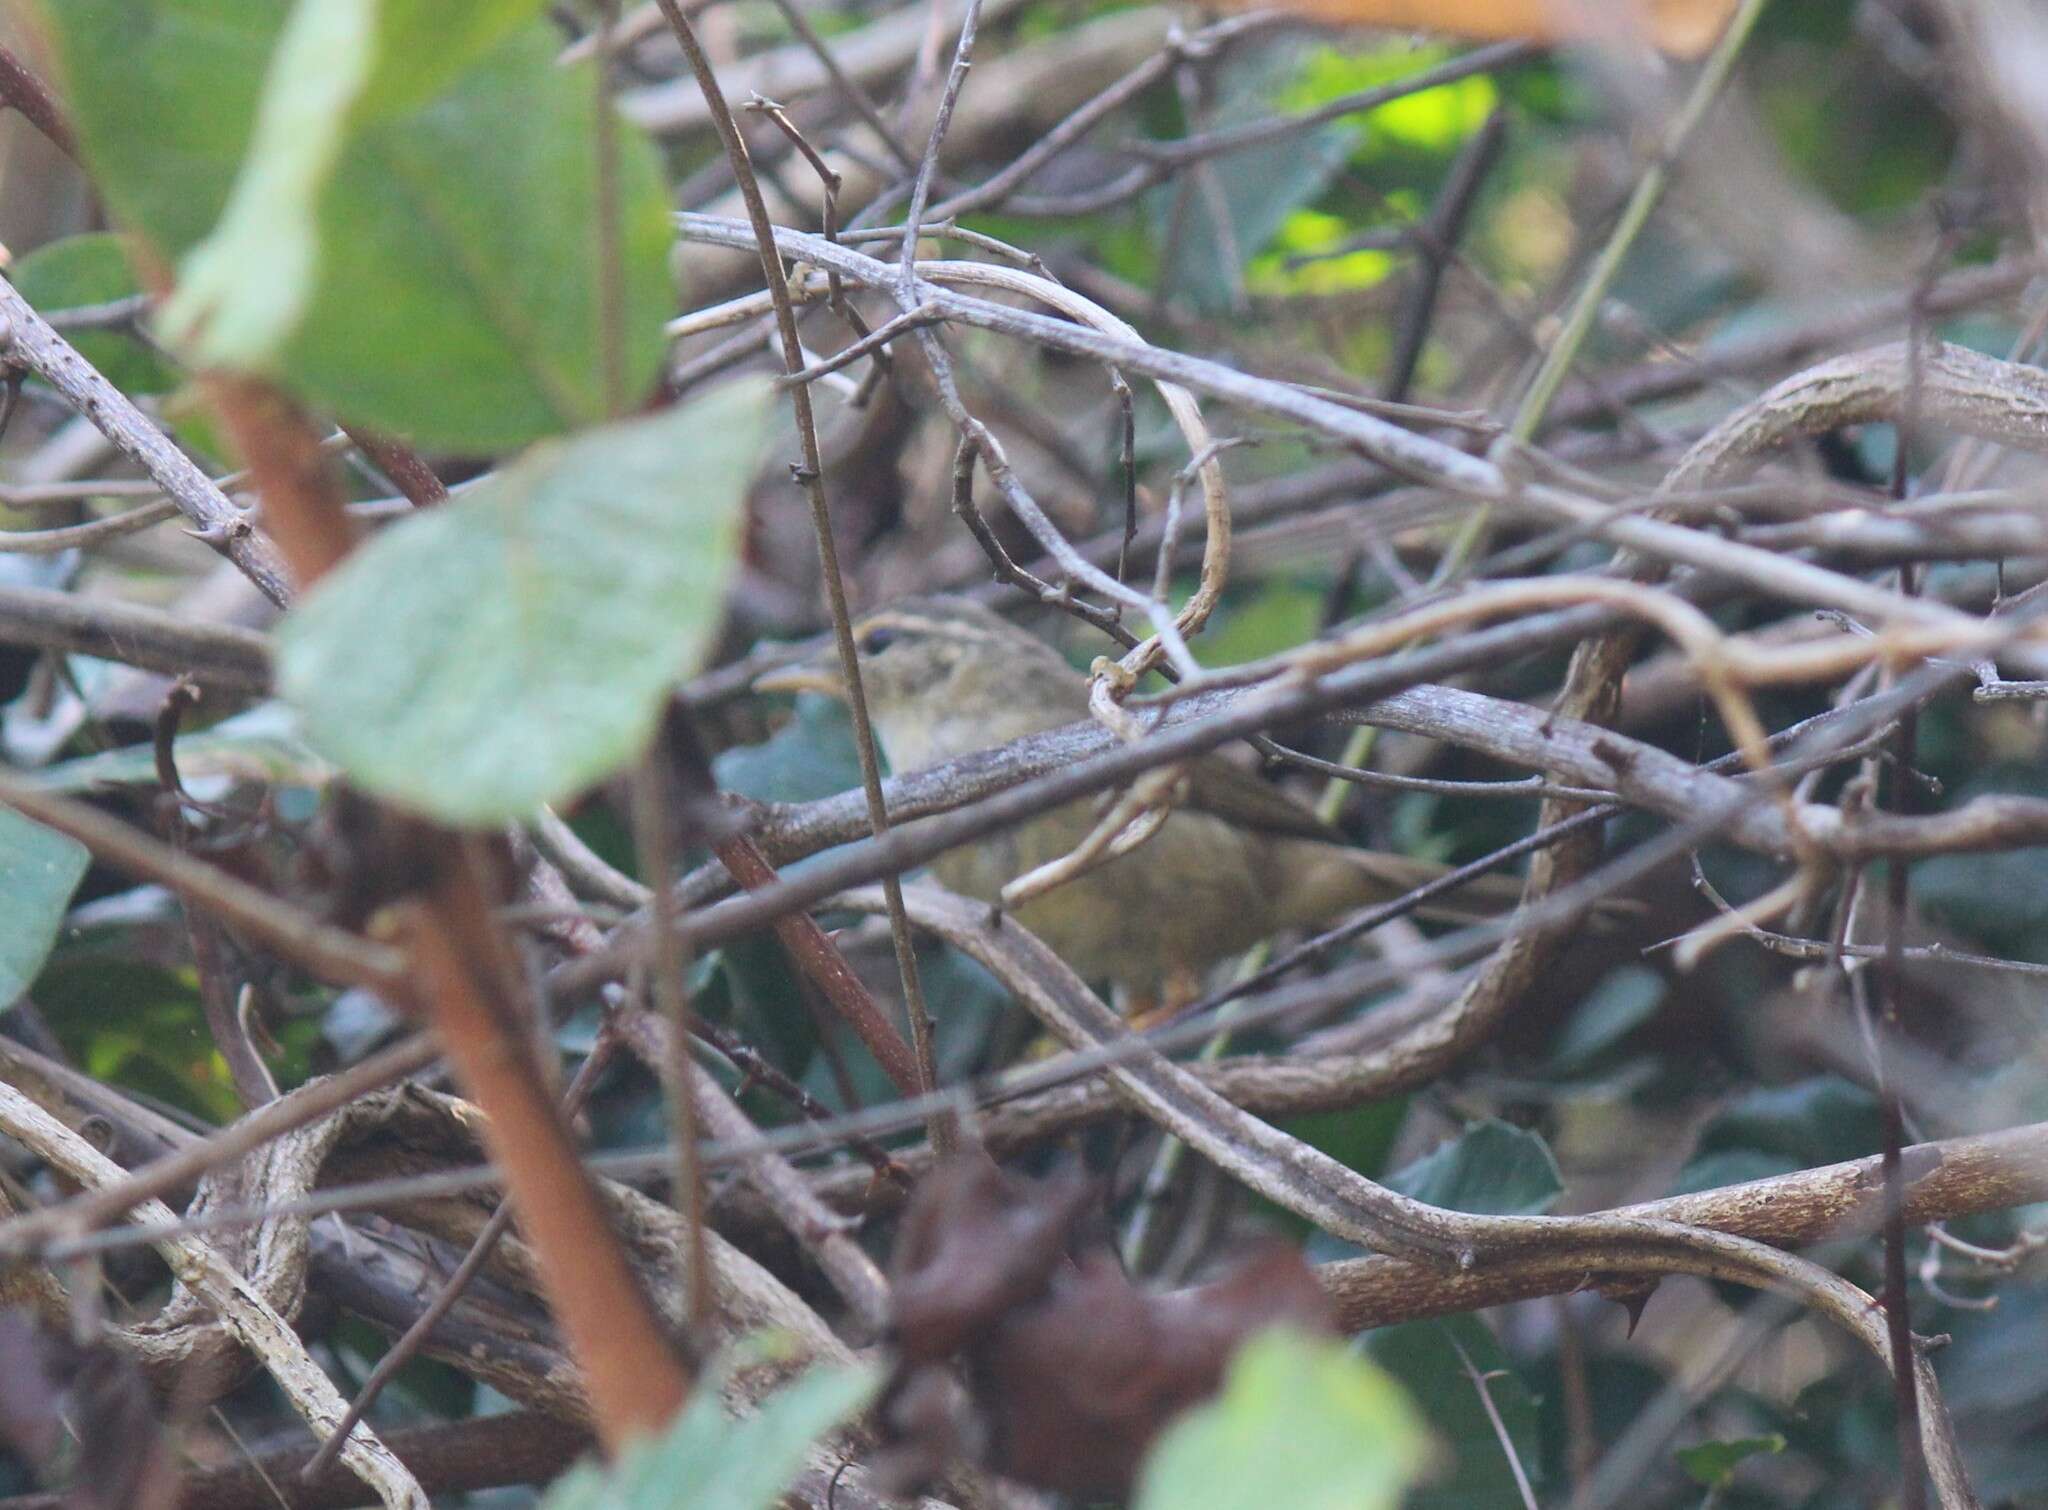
817 674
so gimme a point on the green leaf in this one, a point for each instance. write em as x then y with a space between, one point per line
1625 999
514 646
1358 1137
370 260
706 1461
1472 1468
82 270
245 288
1256 189
260 744
135 1024
1491 1169
1276 616
2001 899
39 869
338 66
1778 1128
1302 1422
423 45
810 756
163 93
445 318
1713 1463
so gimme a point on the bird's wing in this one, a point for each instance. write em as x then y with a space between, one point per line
1239 796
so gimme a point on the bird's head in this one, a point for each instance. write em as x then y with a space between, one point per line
944 672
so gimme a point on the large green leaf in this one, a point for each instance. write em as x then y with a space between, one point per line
411 242
444 315
424 44
514 646
244 289
164 95
708 1462
39 869
1302 1422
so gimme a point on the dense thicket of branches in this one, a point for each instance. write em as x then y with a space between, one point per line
1616 469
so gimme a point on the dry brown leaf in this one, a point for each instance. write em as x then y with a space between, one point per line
1685 27
1071 1369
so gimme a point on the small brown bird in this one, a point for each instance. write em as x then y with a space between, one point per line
1236 862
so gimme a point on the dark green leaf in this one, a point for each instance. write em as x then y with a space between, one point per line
811 756
972 1002
1302 1422
137 1025
706 1461
1998 899
514 646
1473 1468
1713 1463
1358 1137
1776 1129
262 744
1625 999
1278 616
1491 1169
83 270
39 869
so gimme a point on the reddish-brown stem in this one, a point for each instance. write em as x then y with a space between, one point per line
402 464
301 507
20 88
826 968
635 1380
463 982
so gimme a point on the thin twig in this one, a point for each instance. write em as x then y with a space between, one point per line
31 340
811 477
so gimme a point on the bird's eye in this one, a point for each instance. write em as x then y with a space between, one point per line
876 640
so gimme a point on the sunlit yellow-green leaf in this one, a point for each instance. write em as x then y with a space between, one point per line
1302 1422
